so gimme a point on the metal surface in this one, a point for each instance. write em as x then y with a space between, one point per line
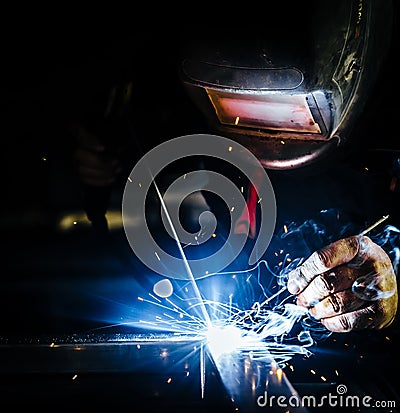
159 372
144 372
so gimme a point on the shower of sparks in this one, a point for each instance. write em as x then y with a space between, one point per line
262 331
262 334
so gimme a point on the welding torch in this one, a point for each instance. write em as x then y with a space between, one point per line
257 307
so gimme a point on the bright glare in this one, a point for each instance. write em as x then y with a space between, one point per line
223 340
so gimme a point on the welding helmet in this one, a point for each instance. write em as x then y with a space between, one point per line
290 85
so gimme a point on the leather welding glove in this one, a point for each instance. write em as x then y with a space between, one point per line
347 285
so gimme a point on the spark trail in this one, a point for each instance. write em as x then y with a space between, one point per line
265 334
184 258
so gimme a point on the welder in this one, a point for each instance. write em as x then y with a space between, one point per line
297 91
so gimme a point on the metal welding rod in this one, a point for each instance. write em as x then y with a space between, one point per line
370 228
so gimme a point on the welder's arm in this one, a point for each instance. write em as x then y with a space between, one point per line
95 165
348 285
97 168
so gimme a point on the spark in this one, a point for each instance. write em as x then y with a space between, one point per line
202 371
183 256
279 374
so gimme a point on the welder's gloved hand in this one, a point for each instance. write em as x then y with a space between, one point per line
95 164
347 285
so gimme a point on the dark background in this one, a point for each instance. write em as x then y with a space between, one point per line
54 70
56 283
